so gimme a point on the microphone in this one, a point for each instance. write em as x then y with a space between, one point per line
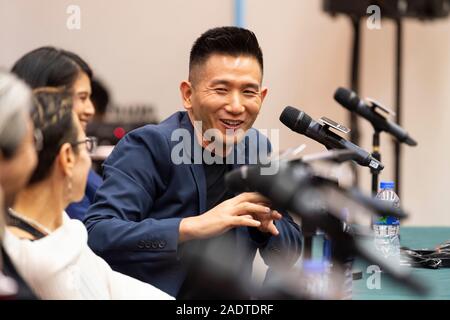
302 123
337 156
312 193
350 100
296 189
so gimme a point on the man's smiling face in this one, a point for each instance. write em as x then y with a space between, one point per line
225 94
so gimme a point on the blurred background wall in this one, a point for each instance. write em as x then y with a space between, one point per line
140 49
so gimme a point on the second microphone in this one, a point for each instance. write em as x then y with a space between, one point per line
302 123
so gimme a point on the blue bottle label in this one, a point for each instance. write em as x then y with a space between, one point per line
387 220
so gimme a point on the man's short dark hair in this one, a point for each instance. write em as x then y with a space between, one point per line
233 41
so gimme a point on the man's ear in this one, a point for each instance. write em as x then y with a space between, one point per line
66 159
263 94
186 94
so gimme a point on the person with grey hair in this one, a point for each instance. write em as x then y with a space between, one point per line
17 137
17 161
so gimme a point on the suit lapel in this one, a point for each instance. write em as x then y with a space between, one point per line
199 176
195 167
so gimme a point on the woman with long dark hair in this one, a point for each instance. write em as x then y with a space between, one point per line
49 66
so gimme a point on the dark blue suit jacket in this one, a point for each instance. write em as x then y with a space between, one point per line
134 221
77 210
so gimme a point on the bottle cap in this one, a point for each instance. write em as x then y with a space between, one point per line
314 266
387 185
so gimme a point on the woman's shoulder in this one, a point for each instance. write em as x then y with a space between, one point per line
52 253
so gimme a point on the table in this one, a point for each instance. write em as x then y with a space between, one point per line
437 279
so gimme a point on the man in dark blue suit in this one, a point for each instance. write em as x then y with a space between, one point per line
160 198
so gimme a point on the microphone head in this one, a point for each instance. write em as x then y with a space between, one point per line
410 141
346 98
295 119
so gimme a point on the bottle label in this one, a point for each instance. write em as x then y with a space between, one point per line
386 220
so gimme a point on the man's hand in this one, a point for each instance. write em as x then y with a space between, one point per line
267 222
246 209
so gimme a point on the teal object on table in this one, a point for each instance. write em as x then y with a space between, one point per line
437 279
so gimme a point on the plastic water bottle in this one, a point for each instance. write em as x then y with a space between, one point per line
387 229
315 275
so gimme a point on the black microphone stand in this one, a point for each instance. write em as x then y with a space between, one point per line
345 248
304 197
342 252
376 154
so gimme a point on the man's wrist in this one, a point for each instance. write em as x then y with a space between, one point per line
187 229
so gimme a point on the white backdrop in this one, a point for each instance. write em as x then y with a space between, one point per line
140 49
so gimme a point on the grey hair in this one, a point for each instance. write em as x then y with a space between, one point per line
15 101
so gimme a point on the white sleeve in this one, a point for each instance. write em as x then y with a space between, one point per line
123 287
